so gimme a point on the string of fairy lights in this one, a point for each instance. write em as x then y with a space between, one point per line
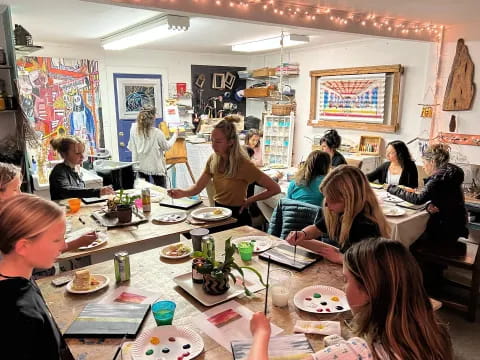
341 18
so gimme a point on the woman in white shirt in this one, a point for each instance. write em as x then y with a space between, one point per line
147 144
393 316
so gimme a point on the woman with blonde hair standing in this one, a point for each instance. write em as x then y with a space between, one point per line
231 171
148 144
33 232
393 317
351 213
65 179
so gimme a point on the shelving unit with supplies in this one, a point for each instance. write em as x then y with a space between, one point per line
278 140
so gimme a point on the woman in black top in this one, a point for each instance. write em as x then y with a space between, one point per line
351 213
329 143
443 189
32 236
65 180
400 169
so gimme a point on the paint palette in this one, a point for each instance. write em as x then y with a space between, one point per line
176 251
211 213
320 299
167 342
393 211
260 243
101 240
171 218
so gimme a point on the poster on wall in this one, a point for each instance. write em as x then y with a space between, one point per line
137 93
61 97
359 98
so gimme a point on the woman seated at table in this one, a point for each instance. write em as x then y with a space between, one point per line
443 189
329 143
392 314
10 182
65 181
231 171
252 141
400 169
33 232
351 213
306 185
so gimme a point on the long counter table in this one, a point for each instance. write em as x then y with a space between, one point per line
152 274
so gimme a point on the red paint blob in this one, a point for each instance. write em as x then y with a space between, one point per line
327 310
185 354
308 299
172 339
319 310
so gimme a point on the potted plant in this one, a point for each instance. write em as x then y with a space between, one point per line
121 206
217 274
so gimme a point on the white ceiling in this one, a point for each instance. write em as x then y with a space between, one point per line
446 12
84 23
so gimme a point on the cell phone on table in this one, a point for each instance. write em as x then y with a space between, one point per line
62 280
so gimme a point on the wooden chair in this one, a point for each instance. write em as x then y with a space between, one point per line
354 162
469 262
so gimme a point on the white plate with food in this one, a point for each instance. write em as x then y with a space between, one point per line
211 213
393 211
176 251
101 240
321 299
95 283
171 217
260 243
167 342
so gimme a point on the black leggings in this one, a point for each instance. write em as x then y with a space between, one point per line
159 180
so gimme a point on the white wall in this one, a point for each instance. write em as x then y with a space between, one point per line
173 66
468 122
418 58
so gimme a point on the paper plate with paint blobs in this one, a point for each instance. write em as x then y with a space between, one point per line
167 343
321 299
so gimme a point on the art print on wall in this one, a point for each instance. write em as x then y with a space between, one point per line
135 94
351 98
60 97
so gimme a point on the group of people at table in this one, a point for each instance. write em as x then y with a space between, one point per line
393 317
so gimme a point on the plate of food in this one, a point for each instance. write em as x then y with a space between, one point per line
260 243
167 342
321 299
101 240
393 211
85 283
176 251
171 217
211 213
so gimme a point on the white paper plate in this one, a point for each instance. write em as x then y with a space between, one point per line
163 251
207 213
182 335
331 300
171 217
392 199
393 211
262 243
103 283
101 240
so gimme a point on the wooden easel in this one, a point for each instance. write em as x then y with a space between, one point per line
178 155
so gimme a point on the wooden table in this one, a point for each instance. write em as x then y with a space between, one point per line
150 273
133 238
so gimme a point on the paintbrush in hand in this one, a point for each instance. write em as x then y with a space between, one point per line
266 291
295 249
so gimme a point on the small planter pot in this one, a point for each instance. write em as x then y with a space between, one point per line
124 214
214 286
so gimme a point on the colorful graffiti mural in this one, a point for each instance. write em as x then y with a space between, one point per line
61 96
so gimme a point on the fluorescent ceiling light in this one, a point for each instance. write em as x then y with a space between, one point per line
156 28
271 43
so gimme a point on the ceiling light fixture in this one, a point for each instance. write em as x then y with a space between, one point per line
156 28
271 43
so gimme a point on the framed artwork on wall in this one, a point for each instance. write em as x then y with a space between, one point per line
363 98
135 93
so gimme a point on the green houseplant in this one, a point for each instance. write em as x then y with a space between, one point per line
217 274
122 206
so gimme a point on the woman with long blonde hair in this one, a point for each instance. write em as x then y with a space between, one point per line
148 144
231 171
351 213
393 316
33 232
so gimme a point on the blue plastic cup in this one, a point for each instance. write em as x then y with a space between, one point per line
163 312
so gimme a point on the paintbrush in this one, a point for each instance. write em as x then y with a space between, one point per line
81 220
266 291
295 248
119 349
